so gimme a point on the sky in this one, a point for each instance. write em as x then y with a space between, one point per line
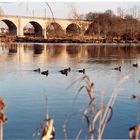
62 9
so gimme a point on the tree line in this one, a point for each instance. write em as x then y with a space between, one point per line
109 25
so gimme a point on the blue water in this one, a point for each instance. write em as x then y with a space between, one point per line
25 91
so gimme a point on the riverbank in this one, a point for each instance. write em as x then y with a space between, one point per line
77 39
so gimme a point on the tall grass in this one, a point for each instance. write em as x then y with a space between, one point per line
94 114
134 130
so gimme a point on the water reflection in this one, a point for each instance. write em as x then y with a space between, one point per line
73 51
12 48
38 49
58 51
93 54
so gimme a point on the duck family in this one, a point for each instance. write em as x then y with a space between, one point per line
43 72
63 71
67 70
119 68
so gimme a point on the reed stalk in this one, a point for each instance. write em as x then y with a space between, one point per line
1 130
92 113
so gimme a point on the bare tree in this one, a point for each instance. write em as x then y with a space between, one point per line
77 18
120 12
1 11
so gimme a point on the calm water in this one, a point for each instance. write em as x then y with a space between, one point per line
25 91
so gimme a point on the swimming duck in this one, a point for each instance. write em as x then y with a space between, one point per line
68 69
82 71
118 68
135 65
45 72
65 72
37 70
136 97
133 96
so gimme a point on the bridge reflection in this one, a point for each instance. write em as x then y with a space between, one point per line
82 54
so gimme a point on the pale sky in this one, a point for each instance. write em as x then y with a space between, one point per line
63 9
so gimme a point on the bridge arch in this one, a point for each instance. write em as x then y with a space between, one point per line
38 30
11 26
54 28
73 29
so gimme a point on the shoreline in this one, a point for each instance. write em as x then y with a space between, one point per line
68 40
77 44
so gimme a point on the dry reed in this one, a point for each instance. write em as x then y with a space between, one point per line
94 115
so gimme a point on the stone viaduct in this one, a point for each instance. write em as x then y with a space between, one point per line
16 24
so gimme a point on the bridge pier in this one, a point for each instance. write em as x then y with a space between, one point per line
20 27
44 33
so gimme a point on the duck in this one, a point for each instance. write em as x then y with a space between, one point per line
37 70
118 68
64 71
136 97
133 96
82 71
45 72
68 69
135 65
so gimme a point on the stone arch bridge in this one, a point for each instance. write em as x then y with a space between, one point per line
16 24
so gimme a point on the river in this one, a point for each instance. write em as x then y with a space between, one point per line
25 91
